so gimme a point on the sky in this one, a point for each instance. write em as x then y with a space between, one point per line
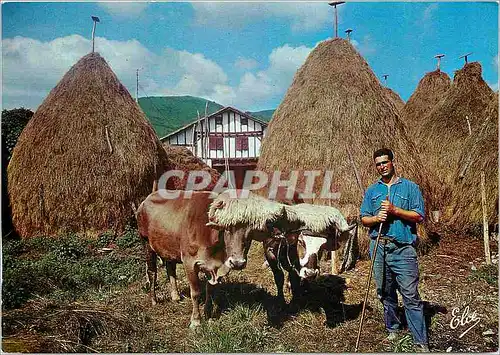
242 54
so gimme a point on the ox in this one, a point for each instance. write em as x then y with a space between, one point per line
176 230
316 226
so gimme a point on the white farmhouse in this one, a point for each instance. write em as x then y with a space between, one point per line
227 140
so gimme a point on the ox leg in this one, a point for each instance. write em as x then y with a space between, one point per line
279 277
151 273
194 286
209 306
170 267
293 274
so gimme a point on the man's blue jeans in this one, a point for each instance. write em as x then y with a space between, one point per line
396 268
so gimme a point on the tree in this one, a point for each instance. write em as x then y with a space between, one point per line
13 123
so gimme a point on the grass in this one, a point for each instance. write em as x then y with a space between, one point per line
403 344
487 273
242 329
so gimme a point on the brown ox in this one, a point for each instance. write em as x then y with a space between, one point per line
176 231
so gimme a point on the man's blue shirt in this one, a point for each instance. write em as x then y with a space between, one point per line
404 194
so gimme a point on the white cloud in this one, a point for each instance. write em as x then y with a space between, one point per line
366 46
429 12
255 89
124 9
302 16
245 63
496 62
32 68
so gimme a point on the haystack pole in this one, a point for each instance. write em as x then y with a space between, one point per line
351 98
96 20
438 57
84 158
336 26
348 32
385 76
465 56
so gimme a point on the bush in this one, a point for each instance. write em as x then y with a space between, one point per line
62 268
129 239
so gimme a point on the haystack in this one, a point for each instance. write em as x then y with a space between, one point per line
84 157
333 117
181 158
430 90
394 99
443 132
479 153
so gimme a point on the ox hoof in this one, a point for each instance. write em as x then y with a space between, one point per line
194 324
153 302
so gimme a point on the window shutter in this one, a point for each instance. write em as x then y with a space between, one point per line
241 143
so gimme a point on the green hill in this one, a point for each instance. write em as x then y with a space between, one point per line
169 113
265 115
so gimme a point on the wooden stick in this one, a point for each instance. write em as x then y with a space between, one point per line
109 141
485 221
358 178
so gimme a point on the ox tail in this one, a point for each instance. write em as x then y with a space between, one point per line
134 208
155 182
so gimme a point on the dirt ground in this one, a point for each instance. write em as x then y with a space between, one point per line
124 321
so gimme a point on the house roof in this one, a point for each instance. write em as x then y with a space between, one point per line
227 108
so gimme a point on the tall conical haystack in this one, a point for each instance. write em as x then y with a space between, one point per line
443 132
395 99
430 90
181 158
479 153
84 157
334 108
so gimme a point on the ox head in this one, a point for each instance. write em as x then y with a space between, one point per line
313 246
239 214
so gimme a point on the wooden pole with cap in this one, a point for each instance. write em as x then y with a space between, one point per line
334 4
370 277
96 20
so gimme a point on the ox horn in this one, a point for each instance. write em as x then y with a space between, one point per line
212 224
218 204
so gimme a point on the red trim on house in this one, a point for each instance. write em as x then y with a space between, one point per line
237 134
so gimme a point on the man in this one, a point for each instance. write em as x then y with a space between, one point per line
397 204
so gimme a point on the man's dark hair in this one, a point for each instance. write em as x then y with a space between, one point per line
382 152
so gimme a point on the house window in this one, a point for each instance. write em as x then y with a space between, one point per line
218 120
244 121
241 143
216 143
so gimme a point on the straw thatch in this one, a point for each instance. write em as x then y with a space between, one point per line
84 157
181 158
233 207
443 132
430 90
317 219
479 153
394 99
334 108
